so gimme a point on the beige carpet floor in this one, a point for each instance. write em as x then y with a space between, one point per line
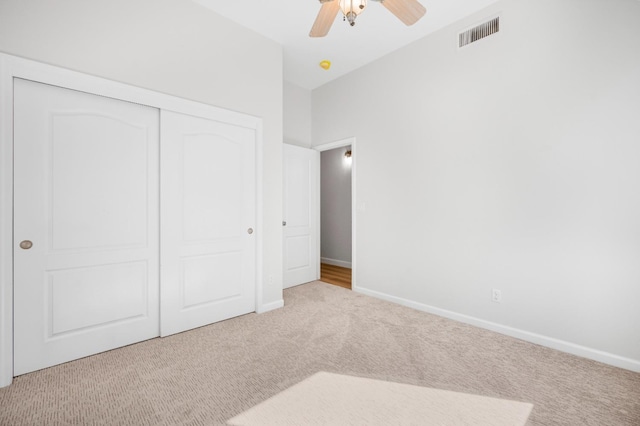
209 375
327 399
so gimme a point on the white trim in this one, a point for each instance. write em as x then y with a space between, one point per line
259 221
318 215
334 145
13 67
335 262
354 159
271 306
49 74
6 224
550 342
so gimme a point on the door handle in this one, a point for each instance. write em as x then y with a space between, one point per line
250 231
26 245
284 223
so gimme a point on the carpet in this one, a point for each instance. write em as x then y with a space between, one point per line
207 376
335 399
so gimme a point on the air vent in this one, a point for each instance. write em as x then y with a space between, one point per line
478 32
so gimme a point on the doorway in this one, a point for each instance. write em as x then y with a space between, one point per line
336 213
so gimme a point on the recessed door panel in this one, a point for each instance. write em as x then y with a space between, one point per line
199 272
86 222
82 298
103 213
210 163
300 172
208 222
298 256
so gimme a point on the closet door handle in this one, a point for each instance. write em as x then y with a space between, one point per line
26 245
250 231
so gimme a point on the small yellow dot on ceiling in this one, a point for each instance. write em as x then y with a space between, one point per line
325 65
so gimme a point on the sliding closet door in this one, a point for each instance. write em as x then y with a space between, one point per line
208 218
85 224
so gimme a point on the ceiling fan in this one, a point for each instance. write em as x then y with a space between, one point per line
408 11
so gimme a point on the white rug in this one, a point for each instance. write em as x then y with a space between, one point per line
334 399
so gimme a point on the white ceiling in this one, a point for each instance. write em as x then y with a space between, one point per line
376 33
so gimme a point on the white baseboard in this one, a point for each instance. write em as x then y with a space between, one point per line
266 307
335 262
550 342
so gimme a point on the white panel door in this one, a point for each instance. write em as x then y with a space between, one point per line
86 198
208 193
300 229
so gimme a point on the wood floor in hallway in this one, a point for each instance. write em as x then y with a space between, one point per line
335 275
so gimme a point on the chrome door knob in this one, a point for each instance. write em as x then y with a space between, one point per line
250 231
26 245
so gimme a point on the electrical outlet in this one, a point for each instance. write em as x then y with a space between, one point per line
270 279
496 295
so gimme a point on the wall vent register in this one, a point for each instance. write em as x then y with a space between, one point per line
479 32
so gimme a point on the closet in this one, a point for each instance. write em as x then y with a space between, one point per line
130 222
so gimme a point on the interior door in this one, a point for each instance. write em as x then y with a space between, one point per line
208 208
300 224
85 224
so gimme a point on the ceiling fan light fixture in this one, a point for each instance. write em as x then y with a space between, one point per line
407 11
351 9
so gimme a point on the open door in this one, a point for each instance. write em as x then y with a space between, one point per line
300 221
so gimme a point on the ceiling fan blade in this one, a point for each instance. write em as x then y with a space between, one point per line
408 11
326 16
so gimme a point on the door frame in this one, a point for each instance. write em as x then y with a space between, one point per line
354 158
14 67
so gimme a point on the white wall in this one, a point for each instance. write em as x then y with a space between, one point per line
171 46
335 207
297 115
511 164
